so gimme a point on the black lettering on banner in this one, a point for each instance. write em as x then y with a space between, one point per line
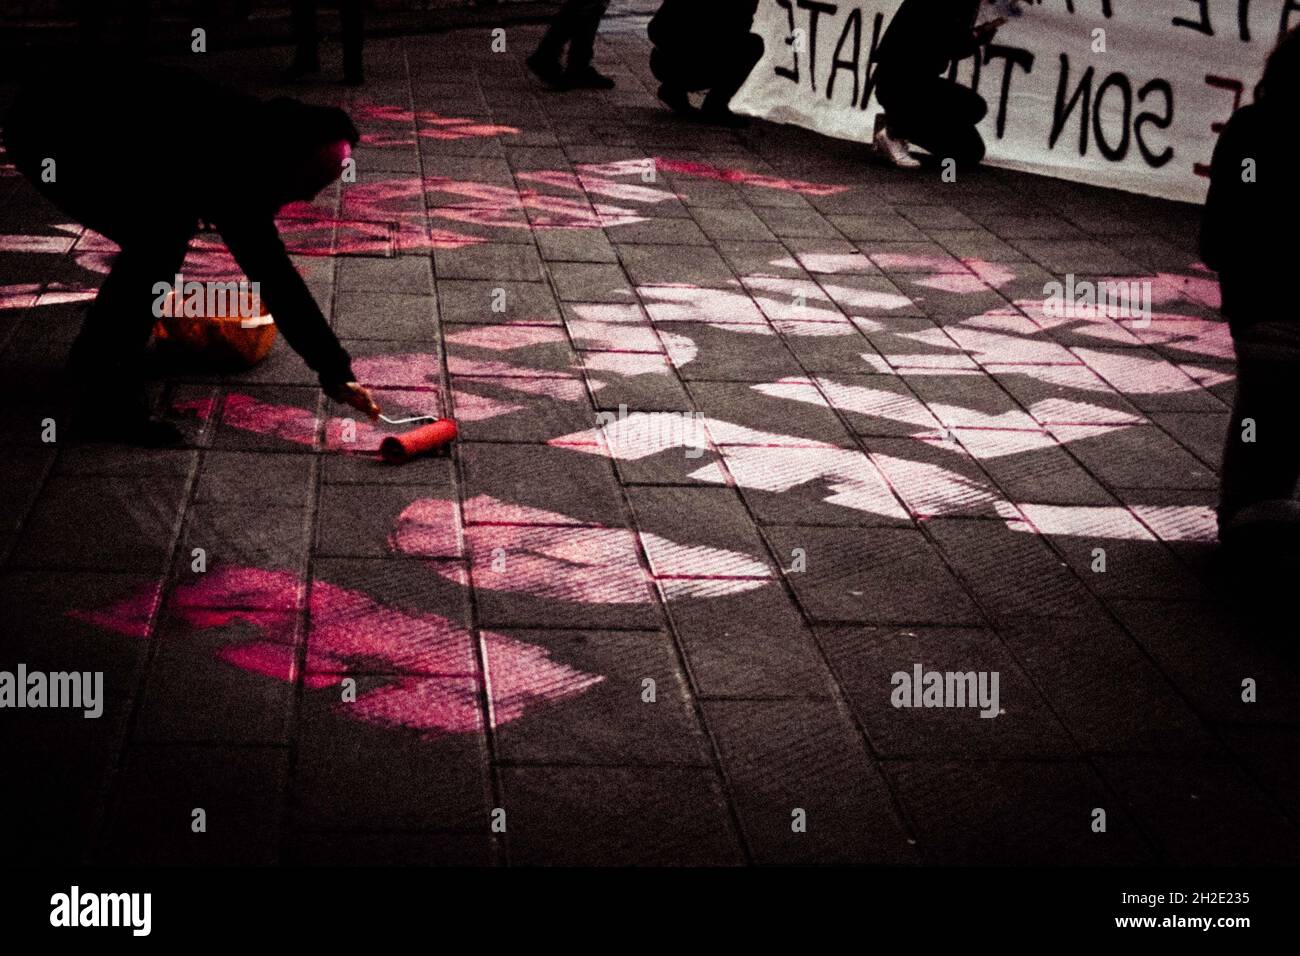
1013 57
1120 82
1288 8
1061 115
1106 10
815 10
854 24
1155 160
869 72
1237 89
1202 25
790 73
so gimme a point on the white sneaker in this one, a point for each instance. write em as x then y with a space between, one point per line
894 151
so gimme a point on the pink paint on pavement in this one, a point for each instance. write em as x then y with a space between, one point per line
519 549
629 364
408 370
51 245
596 185
20 296
429 528
426 123
913 262
505 338
298 425
954 282
745 178
428 679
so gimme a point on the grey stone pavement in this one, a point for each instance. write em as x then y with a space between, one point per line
843 438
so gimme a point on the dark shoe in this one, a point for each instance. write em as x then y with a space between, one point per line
586 78
676 100
547 70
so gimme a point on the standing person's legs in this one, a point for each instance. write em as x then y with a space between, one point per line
559 32
1267 412
353 26
582 44
576 24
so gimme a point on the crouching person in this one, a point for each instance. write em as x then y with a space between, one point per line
704 47
922 106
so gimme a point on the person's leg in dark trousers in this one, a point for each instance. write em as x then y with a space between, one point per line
560 30
105 361
582 43
120 320
735 64
575 24
353 27
306 57
1266 468
676 80
940 116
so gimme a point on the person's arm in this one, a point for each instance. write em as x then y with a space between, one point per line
255 244
963 38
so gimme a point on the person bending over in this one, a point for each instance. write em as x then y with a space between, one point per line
704 47
1253 184
922 106
141 153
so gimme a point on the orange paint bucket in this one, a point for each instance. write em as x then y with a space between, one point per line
240 340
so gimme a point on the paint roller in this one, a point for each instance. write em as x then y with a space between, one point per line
435 435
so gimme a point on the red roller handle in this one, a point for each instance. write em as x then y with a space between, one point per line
436 435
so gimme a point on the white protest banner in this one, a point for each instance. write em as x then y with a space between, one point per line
1129 94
